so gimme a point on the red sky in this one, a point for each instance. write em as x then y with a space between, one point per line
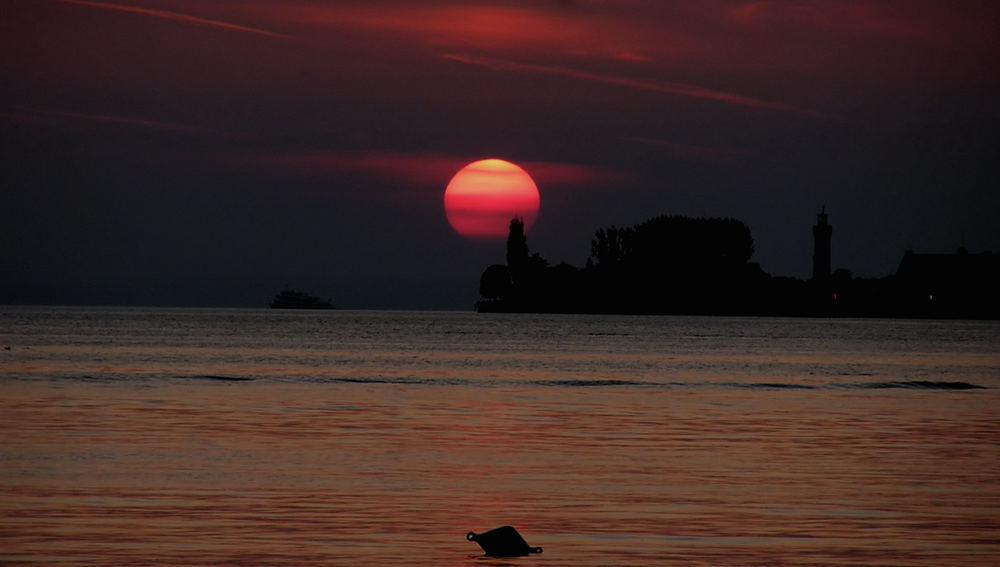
172 151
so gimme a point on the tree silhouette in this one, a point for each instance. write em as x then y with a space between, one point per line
611 246
495 283
665 264
676 241
517 246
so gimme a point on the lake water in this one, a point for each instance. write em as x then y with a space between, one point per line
257 437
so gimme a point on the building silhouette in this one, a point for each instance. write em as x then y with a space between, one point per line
962 284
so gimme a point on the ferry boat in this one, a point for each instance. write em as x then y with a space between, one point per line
292 299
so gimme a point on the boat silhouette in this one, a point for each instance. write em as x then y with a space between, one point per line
294 299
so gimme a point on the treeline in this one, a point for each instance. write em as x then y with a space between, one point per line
668 264
702 266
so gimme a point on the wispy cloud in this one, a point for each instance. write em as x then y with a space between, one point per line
444 23
665 87
19 116
423 169
550 173
426 169
692 152
178 17
505 27
41 114
875 19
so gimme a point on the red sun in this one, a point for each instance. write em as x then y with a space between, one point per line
484 195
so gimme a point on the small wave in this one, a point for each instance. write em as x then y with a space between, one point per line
608 334
390 380
920 384
589 383
371 380
773 386
221 378
89 378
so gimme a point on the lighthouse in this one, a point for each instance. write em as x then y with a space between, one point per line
821 246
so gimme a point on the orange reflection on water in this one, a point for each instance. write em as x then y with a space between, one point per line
288 474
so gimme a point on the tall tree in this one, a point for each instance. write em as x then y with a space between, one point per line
517 246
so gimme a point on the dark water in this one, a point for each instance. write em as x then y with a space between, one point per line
232 437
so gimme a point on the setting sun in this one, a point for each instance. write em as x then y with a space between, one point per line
483 196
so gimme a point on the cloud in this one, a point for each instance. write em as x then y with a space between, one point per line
549 173
40 114
834 16
693 152
19 116
665 87
420 169
177 17
423 170
541 28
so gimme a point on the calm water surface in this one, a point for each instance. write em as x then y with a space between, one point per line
254 437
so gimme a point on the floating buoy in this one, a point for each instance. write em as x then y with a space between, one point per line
502 542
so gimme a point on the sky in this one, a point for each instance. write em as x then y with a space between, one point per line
184 152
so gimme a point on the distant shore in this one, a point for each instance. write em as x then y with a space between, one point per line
675 265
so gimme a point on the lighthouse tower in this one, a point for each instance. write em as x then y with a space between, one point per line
821 246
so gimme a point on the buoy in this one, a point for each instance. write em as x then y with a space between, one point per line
502 542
